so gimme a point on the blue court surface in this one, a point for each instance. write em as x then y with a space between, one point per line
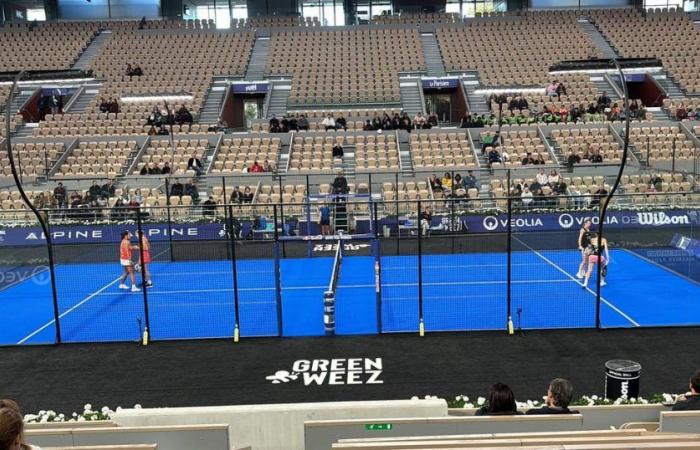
460 292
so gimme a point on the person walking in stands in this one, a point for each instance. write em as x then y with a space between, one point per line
501 402
146 258
325 219
126 262
691 400
194 163
559 396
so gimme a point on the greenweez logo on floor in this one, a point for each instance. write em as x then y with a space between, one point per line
337 371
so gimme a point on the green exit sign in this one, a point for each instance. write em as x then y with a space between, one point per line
378 426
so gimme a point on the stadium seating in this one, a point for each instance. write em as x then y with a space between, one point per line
515 50
236 154
670 36
417 18
371 152
441 150
160 151
105 157
365 71
593 139
37 46
662 143
32 158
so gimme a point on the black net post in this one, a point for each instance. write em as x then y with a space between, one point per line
377 272
369 182
234 273
144 287
421 324
278 280
673 159
509 262
52 271
169 215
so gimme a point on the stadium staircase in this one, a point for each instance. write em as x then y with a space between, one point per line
258 59
278 95
477 102
432 55
83 99
634 152
213 100
598 39
604 84
25 130
348 162
405 158
92 50
412 96
551 146
669 85
285 152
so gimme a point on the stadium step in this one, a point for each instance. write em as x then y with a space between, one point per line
213 100
284 154
19 99
659 113
25 130
604 84
432 55
92 50
668 84
405 158
411 96
598 39
258 59
83 99
477 102
278 95
634 151
348 163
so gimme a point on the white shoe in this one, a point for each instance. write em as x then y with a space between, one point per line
123 286
579 275
149 284
135 289
603 283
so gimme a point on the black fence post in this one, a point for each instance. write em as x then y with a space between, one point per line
421 325
509 264
52 272
234 273
170 222
278 282
673 160
144 287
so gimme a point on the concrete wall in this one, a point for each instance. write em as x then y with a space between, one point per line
277 427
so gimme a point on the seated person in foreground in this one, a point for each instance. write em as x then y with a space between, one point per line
559 396
690 401
501 402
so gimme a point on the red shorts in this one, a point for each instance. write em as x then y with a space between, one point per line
146 257
593 259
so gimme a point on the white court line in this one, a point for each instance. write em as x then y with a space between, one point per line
455 266
68 311
350 286
644 258
613 307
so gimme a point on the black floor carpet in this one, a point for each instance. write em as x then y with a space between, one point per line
220 372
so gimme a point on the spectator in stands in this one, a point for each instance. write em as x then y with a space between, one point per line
681 112
696 115
94 190
163 131
256 168
596 157
341 123
494 156
561 89
155 118
571 160
376 122
470 181
522 104
691 400
194 163
457 182
552 89
303 123
183 116
236 195
113 106
368 126
528 159
446 183
432 120
466 121
129 71
284 124
59 193
435 183
104 106
553 178
426 218
247 195
526 196
603 101
516 190
191 190
396 121
598 195
328 123
542 178
138 72
419 121
487 141
166 168
209 207
340 184
267 167
12 427
501 402
274 124
152 131
405 122
294 123
513 104
540 160
337 150
386 122
177 189
55 103
559 396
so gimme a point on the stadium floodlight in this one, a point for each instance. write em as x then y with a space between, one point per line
30 205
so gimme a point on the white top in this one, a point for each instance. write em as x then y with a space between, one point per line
542 178
328 122
553 179
526 197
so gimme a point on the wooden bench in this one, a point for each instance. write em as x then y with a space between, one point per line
181 437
